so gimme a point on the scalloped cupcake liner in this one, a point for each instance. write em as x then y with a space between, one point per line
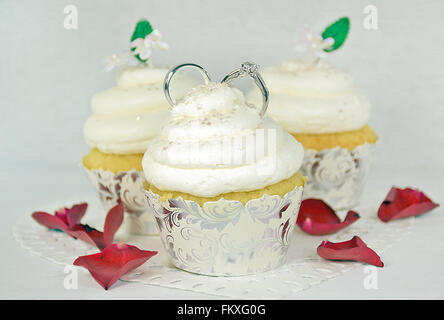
337 175
127 186
225 237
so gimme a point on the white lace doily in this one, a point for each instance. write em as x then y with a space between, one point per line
304 268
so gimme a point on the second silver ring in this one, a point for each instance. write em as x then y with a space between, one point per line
251 69
170 74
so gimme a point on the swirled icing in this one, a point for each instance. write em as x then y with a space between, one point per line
130 114
214 143
314 98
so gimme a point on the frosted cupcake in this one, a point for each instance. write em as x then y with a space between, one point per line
320 105
223 182
125 118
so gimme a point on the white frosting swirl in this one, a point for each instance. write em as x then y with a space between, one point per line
214 143
307 98
127 116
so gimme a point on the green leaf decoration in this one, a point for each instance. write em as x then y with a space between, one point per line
142 29
338 30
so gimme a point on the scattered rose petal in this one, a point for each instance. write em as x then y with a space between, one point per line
63 218
87 234
317 218
48 220
72 216
403 203
68 220
354 249
113 262
113 221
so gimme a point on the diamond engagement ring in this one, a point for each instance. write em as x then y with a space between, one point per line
251 69
247 68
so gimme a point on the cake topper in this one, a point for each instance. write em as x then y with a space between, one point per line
172 71
143 40
332 38
251 69
247 68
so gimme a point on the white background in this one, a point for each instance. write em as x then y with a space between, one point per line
48 75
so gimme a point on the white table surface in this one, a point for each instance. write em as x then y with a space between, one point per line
413 267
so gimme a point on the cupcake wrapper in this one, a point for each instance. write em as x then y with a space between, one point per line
337 175
225 237
128 186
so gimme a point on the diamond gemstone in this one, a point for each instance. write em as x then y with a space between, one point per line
249 67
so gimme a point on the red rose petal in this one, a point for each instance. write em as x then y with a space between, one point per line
48 220
65 219
403 203
87 234
62 218
354 249
113 262
113 221
317 218
76 213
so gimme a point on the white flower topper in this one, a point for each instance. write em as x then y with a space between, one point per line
143 40
318 45
315 45
143 47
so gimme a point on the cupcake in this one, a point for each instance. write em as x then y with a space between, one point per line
125 118
320 105
223 181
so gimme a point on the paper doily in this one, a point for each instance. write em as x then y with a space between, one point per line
304 268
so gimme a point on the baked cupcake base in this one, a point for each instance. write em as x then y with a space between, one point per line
280 188
226 237
346 140
116 163
117 177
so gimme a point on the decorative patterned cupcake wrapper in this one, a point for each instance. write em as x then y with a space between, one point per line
337 175
226 238
128 186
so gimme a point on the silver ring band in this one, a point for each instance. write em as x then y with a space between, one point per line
170 74
251 69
